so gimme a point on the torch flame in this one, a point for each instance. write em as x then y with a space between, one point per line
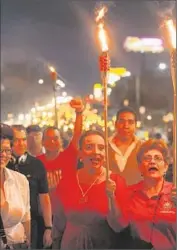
101 31
52 69
172 32
101 14
102 37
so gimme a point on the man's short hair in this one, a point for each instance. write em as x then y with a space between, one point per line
50 127
33 128
126 110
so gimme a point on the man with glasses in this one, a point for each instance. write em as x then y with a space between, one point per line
123 146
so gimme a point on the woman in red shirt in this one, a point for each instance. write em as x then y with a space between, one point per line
82 220
150 210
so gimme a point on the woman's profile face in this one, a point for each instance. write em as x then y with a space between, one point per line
153 164
93 151
5 152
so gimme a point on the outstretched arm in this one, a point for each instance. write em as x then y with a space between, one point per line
77 104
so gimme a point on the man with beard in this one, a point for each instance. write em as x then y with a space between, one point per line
123 146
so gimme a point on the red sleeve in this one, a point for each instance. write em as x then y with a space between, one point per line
69 160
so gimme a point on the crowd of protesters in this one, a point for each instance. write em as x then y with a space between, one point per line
66 197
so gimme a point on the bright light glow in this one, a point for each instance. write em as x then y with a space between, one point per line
126 102
64 94
136 44
52 69
162 66
149 117
138 124
27 117
33 110
109 90
41 81
127 74
97 91
101 14
113 78
21 117
102 37
60 83
142 110
101 31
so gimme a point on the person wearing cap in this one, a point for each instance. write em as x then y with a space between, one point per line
35 172
123 146
15 228
150 210
34 140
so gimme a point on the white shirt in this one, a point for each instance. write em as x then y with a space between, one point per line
119 157
16 189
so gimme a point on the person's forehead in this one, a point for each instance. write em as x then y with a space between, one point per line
19 133
127 116
96 139
34 133
153 152
5 143
52 132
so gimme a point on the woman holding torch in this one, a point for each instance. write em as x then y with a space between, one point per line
83 222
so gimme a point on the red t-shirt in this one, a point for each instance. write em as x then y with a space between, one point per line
70 195
60 166
153 219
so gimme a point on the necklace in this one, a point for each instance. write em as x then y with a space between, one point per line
84 198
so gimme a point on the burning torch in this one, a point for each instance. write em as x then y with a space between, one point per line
104 63
53 74
170 38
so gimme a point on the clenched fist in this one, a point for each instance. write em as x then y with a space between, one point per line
77 104
110 188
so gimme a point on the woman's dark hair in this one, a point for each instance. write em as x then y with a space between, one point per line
88 133
150 144
6 132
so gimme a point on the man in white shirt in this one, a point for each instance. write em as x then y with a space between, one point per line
15 197
123 146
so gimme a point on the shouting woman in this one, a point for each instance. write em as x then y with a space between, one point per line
84 201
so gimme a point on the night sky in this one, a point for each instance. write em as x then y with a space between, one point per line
62 33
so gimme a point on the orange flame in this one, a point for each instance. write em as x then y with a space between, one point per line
101 31
172 32
101 14
102 37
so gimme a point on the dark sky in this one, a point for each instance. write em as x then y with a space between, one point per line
35 33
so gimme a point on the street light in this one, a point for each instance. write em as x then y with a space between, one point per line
41 81
162 66
149 117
